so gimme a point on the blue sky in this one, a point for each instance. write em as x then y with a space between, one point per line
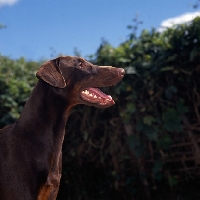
40 29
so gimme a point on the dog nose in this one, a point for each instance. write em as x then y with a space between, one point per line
121 72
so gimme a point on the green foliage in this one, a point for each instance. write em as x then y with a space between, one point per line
152 101
164 142
172 120
16 83
157 168
173 181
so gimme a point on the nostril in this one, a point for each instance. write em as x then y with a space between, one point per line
121 72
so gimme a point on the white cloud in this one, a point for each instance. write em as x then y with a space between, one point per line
182 19
7 2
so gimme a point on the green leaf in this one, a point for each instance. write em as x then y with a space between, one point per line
172 120
149 131
164 142
182 109
135 145
157 167
133 142
170 91
172 181
167 69
148 120
131 108
139 125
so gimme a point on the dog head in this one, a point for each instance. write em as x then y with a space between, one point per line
80 79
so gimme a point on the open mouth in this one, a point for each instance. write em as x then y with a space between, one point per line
95 95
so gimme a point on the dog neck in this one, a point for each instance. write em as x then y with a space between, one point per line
47 112
44 124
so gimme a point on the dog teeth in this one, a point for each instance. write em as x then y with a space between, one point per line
103 103
86 92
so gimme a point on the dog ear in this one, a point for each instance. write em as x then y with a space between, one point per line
51 74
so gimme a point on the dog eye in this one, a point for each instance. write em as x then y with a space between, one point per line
80 64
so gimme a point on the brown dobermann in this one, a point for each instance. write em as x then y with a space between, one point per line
31 148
